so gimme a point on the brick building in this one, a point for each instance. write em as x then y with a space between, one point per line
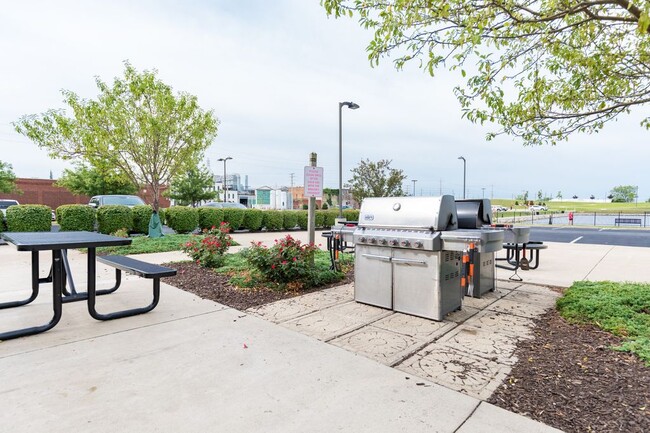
43 191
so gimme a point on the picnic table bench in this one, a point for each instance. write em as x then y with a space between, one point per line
619 221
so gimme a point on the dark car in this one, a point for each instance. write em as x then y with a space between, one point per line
221 205
126 200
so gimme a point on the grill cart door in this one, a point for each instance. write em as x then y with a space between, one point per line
373 276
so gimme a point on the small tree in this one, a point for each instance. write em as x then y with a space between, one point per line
540 195
137 125
623 193
193 186
91 181
7 178
376 179
559 195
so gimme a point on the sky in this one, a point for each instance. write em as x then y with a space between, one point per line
274 73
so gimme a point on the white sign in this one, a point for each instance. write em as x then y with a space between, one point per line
313 181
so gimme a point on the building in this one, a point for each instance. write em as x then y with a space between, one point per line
269 198
299 200
44 191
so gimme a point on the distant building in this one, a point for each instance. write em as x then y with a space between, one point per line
299 200
269 198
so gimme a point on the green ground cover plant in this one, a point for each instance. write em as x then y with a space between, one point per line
620 308
145 244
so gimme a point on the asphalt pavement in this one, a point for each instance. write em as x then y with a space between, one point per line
592 235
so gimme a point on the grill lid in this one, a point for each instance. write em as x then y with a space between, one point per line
409 213
474 213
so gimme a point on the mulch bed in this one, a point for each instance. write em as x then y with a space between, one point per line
207 284
567 377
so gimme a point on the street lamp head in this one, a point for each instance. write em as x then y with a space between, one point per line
350 105
227 158
461 157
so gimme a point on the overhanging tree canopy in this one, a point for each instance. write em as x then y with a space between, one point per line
541 69
136 125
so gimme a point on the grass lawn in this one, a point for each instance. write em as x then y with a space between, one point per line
620 308
580 206
145 244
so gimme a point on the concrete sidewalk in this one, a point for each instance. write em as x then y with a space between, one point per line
195 365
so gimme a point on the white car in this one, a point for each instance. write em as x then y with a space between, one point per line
537 208
5 203
498 208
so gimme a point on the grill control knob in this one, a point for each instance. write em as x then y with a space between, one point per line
373 240
363 239
383 241
393 242
418 244
406 243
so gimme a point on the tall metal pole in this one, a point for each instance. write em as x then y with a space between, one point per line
351 106
225 182
464 173
311 209
414 180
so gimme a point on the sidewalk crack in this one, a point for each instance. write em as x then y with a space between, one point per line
596 265
468 416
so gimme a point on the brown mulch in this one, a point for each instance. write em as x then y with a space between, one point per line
567 376
570 378
207 284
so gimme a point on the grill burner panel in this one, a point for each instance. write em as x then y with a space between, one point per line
410 239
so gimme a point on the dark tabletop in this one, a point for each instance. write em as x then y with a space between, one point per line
38 241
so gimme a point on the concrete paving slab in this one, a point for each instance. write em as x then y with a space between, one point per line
379 344
622 264
421 329
457 370
486 299
521 309
540 290
507 285
497 347
492 321
489 418
542 300
335 321
459 316
287 309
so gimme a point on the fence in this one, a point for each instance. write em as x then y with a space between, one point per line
604 219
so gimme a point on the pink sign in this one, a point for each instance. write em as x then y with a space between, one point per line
313 181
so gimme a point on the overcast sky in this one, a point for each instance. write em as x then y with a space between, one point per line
274 73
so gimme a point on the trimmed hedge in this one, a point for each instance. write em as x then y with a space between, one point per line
3 224
302 217
161 214
141 216
290 220
234 217
273 220
29 218
113 217
182 219
351 214
253 219
76 217
320 219
209 217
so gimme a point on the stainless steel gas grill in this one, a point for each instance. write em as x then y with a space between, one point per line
408 254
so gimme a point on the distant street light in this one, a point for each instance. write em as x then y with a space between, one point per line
225 189
414 180
351 106
464 172
483 192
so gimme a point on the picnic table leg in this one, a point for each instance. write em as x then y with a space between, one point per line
57 284
36 281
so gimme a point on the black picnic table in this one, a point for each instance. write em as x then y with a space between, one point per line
58 243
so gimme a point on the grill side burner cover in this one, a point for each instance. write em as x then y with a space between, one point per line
409 213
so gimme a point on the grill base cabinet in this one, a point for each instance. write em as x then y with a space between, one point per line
484 275
421 283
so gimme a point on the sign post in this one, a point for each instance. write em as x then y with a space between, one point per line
313 189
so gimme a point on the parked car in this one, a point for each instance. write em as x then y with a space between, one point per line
221 205
126 200
537 208
4 204
498 208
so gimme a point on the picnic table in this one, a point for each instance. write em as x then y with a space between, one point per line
58 243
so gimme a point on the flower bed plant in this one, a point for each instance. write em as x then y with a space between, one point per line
209 248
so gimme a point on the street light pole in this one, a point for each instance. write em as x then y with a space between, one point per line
351 106
414 180
464 172
224 177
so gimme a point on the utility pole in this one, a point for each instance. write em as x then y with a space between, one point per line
292 175
311 209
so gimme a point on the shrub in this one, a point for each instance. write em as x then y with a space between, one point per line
121 233
29 218
141 216
289 219
3 224
209 217
302 218
161 214
306 206
76 217
320 219
273 220
253 219
234 217
288 261
111 218
324 206
182 219
208 249
351 214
